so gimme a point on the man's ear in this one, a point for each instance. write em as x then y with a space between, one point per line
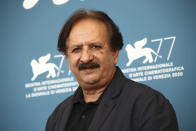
66 56
115 54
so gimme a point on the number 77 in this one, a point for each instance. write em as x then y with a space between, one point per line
173 38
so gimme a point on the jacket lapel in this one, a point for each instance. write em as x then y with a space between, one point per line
65 116
101 115
67 111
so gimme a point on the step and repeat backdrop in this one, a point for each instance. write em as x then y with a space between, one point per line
159 50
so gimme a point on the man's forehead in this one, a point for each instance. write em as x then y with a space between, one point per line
88 20
89 24
88 31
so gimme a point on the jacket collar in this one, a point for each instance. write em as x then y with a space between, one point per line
116 84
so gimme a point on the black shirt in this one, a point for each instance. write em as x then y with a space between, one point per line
82 113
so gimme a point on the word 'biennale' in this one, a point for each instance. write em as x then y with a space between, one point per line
140 50
28 4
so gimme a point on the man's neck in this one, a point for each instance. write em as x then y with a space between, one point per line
95 93
92 95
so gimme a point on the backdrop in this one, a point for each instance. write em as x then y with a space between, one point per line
159 50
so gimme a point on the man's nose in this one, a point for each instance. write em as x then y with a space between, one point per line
86 56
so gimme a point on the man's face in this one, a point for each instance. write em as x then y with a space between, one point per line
89 54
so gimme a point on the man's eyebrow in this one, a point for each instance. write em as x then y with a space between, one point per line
96 43
91 43
75 45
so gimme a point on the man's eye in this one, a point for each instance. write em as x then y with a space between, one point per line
96 47
75 50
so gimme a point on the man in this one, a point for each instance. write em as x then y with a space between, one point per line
105 100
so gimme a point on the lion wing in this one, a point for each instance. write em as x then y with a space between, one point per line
44 59
140 43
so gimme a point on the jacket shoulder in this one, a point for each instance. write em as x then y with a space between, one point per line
151 108
139 89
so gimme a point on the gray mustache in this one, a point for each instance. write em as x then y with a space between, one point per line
88 65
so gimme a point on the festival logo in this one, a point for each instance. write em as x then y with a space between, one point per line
149 69
55 80
41 66
138 51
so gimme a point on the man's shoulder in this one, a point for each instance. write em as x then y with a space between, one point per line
132 89
139 90
148 106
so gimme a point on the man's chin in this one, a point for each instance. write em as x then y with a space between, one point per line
90 80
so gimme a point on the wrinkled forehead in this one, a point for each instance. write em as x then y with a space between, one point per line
88 30
91 23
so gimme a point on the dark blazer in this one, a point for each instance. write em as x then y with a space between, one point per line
125 106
